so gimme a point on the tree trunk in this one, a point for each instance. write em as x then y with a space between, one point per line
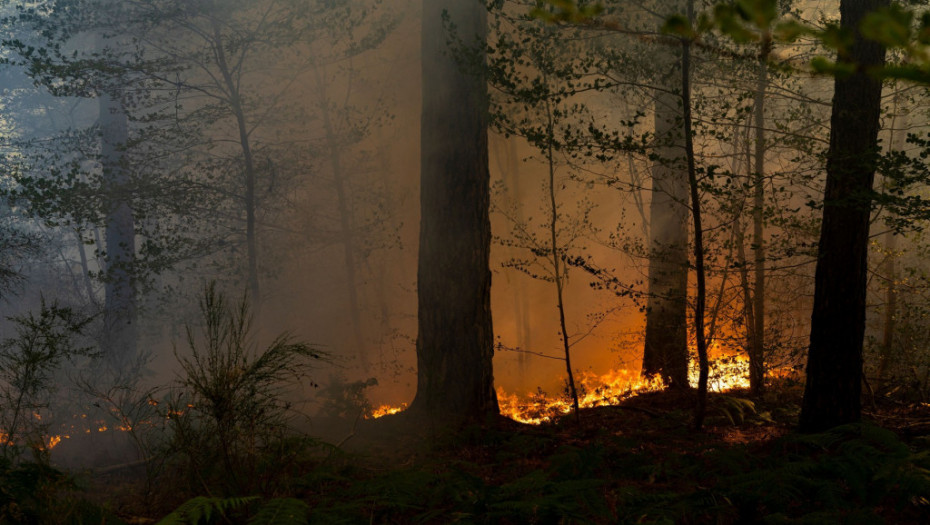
557 270
757 343
120 232
665 352
521 300
701 293
346 228
887 359
888 356
231 88
832 394
455 339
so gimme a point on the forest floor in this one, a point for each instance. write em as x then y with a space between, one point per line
639 462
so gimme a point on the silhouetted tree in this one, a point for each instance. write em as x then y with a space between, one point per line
455 338
665 351
834 367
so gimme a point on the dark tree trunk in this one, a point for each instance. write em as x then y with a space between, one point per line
832 394
120 331
700 277
455 340
757 342
234 98
558 270
665 352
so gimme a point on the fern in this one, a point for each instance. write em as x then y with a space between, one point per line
202 510
734 409
281 511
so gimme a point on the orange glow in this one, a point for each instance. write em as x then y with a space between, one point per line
727 372
593 391
386 410
52 441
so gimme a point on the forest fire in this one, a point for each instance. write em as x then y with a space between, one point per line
387 410
593 390
49 442
727 372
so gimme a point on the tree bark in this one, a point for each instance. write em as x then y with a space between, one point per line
832 393
665 351
455 339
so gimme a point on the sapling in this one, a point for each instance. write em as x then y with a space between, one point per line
28 362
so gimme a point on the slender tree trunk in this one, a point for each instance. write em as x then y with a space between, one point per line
119 297
665 351
832 393
701 293
557 270
85 269
231 89
757 344
521 301
383 273
347 231
888 355
455 343
886 361
748 319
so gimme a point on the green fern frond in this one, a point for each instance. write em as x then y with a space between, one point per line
281 511
202 510
735 409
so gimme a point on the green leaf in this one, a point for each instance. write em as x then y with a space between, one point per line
826 66
678 25
761 13
790 30
890 26
731 24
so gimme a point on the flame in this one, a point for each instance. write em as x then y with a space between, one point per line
727 372
386 410
593 391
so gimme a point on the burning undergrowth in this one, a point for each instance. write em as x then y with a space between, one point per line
727 373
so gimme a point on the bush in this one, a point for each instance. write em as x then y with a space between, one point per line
229 419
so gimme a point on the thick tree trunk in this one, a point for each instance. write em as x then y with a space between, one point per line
832 394
120 234
665 352
455 339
